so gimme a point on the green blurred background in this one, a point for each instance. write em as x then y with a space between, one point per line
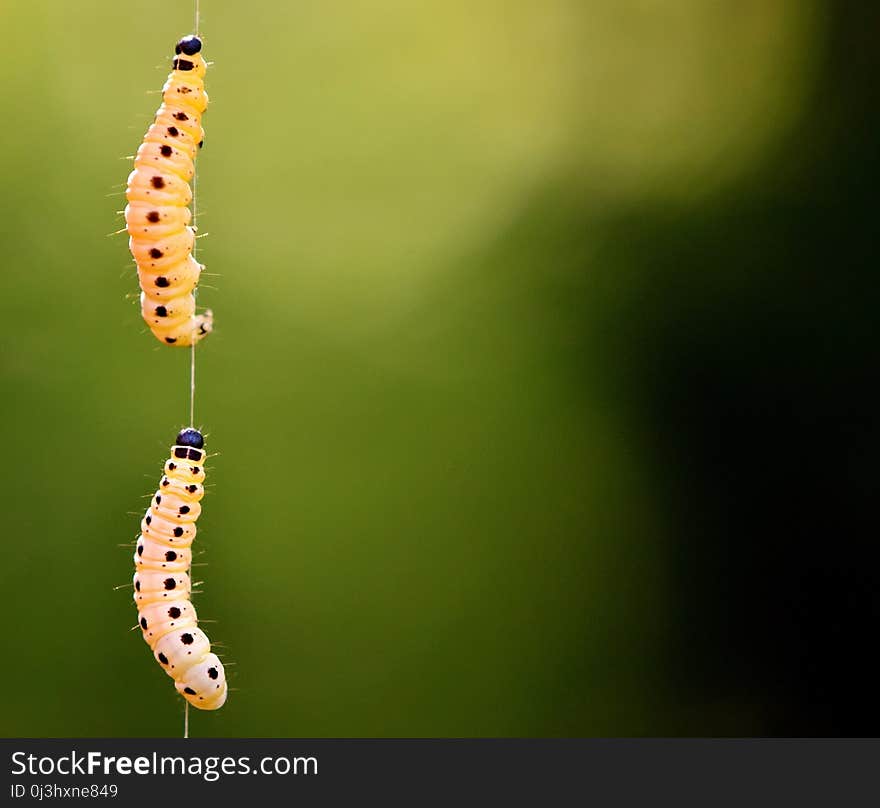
539 384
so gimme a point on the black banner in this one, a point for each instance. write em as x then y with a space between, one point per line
467 771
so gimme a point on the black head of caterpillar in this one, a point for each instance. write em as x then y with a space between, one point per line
190 45
190 437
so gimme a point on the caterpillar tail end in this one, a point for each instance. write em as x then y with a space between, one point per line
213 701
196 329
203 325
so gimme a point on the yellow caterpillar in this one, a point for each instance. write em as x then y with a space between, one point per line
162 584
157 217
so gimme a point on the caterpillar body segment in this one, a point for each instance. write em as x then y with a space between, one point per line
162 585
157 215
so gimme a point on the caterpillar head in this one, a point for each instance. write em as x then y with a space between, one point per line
190 437
190 45
188 56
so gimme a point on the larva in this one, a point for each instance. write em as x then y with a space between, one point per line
162 584
157 215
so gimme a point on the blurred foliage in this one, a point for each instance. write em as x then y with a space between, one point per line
459 248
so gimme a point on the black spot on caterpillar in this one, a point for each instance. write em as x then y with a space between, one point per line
166 616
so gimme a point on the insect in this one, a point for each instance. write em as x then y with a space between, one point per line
166 615
157 215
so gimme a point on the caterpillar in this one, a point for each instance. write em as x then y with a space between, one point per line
162 586
157 215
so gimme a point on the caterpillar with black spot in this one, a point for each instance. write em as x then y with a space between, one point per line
157 215
166 615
